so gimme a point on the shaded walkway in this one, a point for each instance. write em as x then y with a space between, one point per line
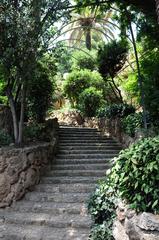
56 209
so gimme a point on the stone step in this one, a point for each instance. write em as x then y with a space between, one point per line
85 151
25 232
88 147
86 141
65 188
81 166
79 173
91 144
84 137
57 197
57 208
70 180
85 156
83 161
49 207
76 129
45 219
80 133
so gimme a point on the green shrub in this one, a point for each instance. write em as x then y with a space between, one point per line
3 98
135 175
89 101
82 60
33 132
102 231
112 57
102 207
116 110
5 139
78 81
40 92
132 123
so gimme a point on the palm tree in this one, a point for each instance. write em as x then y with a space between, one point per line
90 25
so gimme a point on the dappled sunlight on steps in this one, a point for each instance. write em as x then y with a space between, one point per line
57 208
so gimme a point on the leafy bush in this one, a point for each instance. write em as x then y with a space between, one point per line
111 58
90 101
132 123
33 132
135 175
40 92
102 231
102 207
116 110
149 67
78 81
5 139
82 60
3 98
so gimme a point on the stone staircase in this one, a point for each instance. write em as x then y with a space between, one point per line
57 208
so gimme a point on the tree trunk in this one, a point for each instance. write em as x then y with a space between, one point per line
118 90
21 121
117 98
140 81
88 39
14 116
157 9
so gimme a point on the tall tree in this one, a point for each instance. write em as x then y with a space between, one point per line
89 24
22 24
111 59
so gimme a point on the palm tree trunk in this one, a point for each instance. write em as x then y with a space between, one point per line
157 9
88 39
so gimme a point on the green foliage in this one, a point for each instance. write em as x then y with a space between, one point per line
116 110
3 98
5 138
89 101
84 60
135 176
102 231
102 203
23 31
40 92
130 87
102 207
78 81
62 55
33 132
111 58
88 27
148 34
149 67
132 123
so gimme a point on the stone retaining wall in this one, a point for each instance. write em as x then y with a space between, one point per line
20 168
130 226
113 128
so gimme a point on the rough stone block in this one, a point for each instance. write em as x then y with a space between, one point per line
149 222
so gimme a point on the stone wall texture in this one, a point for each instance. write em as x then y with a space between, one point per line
132 226
113 127
21 168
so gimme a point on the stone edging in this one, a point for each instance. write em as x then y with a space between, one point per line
20 169
132 226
